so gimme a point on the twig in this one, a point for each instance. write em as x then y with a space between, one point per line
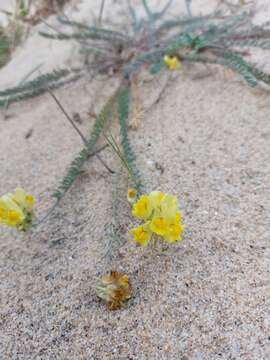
68 117
101 12
75 127
188 6
45 217
113 144
98 150
104 164
147 9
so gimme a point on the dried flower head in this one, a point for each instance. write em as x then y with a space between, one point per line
16 209
172 62
131 195
114 289
161 218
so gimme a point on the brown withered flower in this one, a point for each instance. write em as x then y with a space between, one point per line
114 289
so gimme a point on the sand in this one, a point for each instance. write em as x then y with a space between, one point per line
205 298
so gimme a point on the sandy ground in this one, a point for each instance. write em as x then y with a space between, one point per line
208 296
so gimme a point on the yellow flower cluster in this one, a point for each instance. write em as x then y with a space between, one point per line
172 62
114 289
16 209
161 217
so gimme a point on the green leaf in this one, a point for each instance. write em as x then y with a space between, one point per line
157 67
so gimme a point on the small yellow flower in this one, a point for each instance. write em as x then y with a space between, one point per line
141 209
155 198
172 62
142 234
2 213
10 212
24 200
131 195
168 207
159 225
174 232
114 289
16 209
13 217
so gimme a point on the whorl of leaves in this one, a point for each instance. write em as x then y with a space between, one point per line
193 38
147 58
77 163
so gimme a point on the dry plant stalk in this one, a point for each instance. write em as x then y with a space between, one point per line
114 289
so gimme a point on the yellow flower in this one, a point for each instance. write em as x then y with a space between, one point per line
160 211
142 234
142 208
10 212
14 217
159 225
131 195
155 198
16 209
172 62
114 289
23 199
174 231
168 207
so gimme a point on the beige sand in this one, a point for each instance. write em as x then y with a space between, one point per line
207 297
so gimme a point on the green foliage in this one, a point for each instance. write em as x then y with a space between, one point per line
212 38
77 163
238 64
185 23
102 33
123 111
37 87
38 82
84 32
260 43
4 48
74 36
249 71
147 58
181 41
157 67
